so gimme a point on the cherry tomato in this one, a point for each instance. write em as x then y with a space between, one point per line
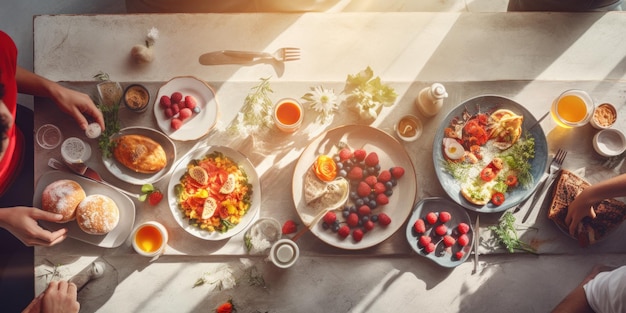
511 180
487 174
497 198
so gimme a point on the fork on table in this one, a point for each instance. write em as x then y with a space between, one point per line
281 55
555 166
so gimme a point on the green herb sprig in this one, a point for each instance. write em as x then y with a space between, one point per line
506 234
112 127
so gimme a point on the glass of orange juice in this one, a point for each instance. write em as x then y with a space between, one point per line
573 108
288 115
150 239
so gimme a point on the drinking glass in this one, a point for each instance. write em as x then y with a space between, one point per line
573 108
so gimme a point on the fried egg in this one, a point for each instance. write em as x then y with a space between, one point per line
453 149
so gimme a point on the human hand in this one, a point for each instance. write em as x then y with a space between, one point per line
22 223
77 104
59 297
577 210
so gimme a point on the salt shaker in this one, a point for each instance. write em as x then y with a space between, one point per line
430 99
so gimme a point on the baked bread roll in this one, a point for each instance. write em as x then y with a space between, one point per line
140 153
97 214
62 197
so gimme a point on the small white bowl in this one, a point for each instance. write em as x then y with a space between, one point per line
604 116
409 128
609 142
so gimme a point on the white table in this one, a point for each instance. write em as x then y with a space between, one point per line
530 57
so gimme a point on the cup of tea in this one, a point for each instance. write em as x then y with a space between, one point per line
288 115
573 108
284 253
150 238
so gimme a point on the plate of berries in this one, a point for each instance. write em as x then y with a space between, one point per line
381 184
186 108
440 230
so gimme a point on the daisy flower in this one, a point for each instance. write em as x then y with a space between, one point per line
323 101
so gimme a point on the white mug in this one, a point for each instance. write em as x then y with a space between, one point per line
150 238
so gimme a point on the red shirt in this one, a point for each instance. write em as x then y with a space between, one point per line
8 67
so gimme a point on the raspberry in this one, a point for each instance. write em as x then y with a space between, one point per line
419 226
182 105
431 218
344 231
463 240
448 240
429 248
345 154
379 188
190 102
357 234
352 220
441 229
330 217
444 216
371 180
424 240
364 210
356 173
397 172
371 159
360 154
459 255
384 176
176 97
165 102
369 225
463 228
382 199
289 227
175 108
384 219
168 113
176 123
363 189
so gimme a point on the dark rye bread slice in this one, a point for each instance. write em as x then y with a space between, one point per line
610 213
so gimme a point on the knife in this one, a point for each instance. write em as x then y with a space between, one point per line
476 242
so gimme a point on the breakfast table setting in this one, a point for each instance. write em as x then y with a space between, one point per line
469 62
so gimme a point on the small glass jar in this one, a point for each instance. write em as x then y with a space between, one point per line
288 115
136 98
430 99
75 150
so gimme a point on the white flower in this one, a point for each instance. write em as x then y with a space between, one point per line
153 35
323 101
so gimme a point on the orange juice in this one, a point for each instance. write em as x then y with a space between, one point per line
288 113
571 108
149 238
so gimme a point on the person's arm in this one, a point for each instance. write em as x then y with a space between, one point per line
576 300
582 204
59 297
22 223
72 102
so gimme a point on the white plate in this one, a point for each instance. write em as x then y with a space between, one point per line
253 178
124 173
200 123
114 238
390 153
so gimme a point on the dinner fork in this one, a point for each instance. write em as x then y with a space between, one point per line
555 166
280 55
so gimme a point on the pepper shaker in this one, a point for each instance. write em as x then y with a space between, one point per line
430 99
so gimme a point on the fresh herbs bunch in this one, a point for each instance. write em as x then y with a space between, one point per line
506 234
518 156
367 94
112 127
257 110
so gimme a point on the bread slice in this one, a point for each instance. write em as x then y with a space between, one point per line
610 213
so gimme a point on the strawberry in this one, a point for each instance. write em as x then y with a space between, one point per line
384 176
357 234
463 240
184 114
352 220
379 188
463 228
441 229
459 255
155 197
431 218
371 180
429 248
364 210
419 226
424 241
363 189
176 97
330 217
344 231
397 172
190 102
176 123
345 154
448 240
371 159
165 102
382 199
356 173
360 154
368 225
444 216
290 227
384 219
